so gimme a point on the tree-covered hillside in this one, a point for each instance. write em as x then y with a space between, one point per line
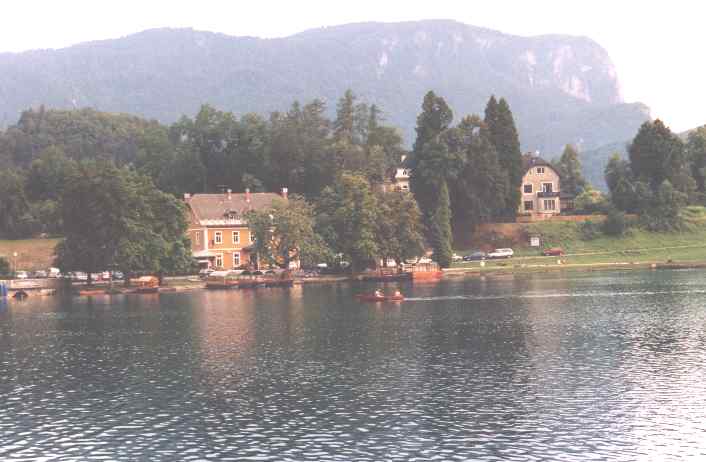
562 89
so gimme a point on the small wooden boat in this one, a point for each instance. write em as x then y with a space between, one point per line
146 285
90 292
379 298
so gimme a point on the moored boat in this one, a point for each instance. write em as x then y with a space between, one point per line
237 279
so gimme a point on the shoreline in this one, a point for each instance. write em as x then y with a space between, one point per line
574 267
187 284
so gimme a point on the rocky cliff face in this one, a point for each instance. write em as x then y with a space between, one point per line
562 89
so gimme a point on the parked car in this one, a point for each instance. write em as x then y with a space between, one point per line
118 275
21 274
54 273
79 276
456 257
40 274
553 252
501 253
475 256
205 272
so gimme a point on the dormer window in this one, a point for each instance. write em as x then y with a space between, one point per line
540 170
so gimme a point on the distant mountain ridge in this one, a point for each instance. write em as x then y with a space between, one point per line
562 89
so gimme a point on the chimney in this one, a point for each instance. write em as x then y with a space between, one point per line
187 196
229 195
284 193
247 195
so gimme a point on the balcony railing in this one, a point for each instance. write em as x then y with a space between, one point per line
547 194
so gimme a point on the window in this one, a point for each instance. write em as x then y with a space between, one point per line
405 187
529 205
528 189
219 261
252 237
236 237
547 187
236 259
549 204
197 237
218 237
540 170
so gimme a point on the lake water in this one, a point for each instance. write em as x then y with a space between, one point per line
592 366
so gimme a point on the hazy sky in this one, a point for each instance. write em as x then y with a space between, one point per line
656 46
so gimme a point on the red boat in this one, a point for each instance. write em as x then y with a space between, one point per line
379 298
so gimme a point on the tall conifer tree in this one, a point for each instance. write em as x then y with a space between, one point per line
431 167
503 135
440 228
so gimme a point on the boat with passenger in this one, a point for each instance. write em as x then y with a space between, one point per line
379 296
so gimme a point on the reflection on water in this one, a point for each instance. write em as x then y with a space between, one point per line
561 367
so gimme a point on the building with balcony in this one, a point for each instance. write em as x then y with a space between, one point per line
540 188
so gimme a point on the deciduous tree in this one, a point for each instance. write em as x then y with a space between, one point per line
346 215
286 232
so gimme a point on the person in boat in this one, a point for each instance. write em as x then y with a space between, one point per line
378 293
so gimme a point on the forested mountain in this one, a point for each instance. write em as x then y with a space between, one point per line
594 161
562 89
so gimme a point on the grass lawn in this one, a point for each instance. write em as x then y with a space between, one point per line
32 254
637 246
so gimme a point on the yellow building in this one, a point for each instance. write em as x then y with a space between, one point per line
219 233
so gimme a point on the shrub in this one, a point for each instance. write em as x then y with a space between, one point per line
589 230
590 202
615 223
4 267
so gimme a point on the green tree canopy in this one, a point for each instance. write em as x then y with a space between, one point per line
664 210
440 228
399 228
15 219
696 156
286 232
116 218
569 168
503 135
656 154
346 215
436 116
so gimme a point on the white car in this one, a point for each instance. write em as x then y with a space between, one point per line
456 257
21 274
501 253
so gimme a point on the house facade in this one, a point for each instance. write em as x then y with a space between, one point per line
397 180
540 188
219 233
401 179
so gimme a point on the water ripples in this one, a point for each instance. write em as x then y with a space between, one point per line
530 369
